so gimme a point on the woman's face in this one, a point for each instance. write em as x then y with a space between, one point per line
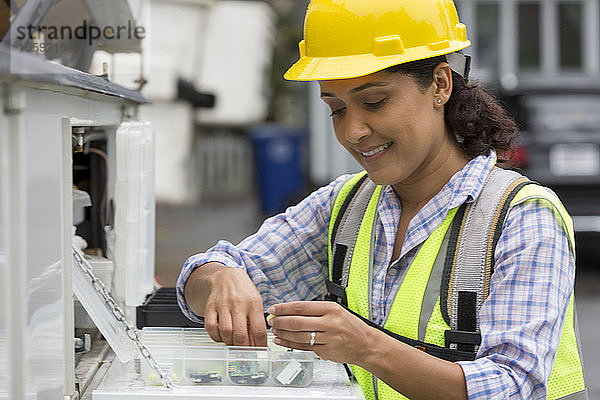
388 124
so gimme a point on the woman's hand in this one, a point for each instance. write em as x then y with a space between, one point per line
231 305
342 337
339 335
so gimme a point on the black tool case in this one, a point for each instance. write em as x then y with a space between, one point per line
161 309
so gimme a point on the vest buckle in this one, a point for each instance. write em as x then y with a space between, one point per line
336 293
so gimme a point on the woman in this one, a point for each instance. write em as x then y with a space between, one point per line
392 73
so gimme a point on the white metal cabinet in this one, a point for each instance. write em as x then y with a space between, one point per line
41 102
33 221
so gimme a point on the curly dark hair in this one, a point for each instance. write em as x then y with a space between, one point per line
470 113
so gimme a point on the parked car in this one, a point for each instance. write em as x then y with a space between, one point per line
559 146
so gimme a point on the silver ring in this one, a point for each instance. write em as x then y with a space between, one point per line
313 335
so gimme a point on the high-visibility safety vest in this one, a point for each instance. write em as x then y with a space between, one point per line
436 306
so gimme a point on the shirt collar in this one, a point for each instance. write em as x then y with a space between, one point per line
466 184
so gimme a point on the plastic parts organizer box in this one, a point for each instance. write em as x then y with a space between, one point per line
191 357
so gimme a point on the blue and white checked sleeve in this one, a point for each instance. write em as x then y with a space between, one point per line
286 259
521 321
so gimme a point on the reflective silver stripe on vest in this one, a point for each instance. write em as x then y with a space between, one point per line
469 264
347 232
432 291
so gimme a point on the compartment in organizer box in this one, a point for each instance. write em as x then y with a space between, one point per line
192 358
205 365
170 360
248 365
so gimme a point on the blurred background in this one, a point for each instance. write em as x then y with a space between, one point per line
236 143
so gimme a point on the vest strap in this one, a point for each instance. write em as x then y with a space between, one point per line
473 255
339 254
343 238
498 226
466 320
453 243
444 353
462 337
345 205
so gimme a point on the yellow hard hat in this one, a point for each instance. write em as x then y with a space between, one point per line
351 38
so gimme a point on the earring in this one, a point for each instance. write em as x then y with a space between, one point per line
438 101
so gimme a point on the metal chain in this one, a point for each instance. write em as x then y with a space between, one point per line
132 332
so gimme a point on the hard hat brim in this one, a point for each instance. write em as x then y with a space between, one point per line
345 67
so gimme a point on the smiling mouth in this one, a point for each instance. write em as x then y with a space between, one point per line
376 150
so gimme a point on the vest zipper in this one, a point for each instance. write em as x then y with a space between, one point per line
370 283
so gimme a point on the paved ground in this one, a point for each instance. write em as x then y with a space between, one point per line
183 231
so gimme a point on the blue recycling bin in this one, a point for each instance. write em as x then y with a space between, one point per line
278 160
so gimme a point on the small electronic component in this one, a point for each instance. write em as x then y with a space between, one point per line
258 378
205 378
247 372
288 373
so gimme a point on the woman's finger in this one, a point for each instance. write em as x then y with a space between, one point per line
298 346
240 328
305 308
211 324
300 337
257 329
250 338
298 323
226 326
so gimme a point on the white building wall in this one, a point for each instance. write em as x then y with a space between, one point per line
236 62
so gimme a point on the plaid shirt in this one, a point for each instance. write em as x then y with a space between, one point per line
521 320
